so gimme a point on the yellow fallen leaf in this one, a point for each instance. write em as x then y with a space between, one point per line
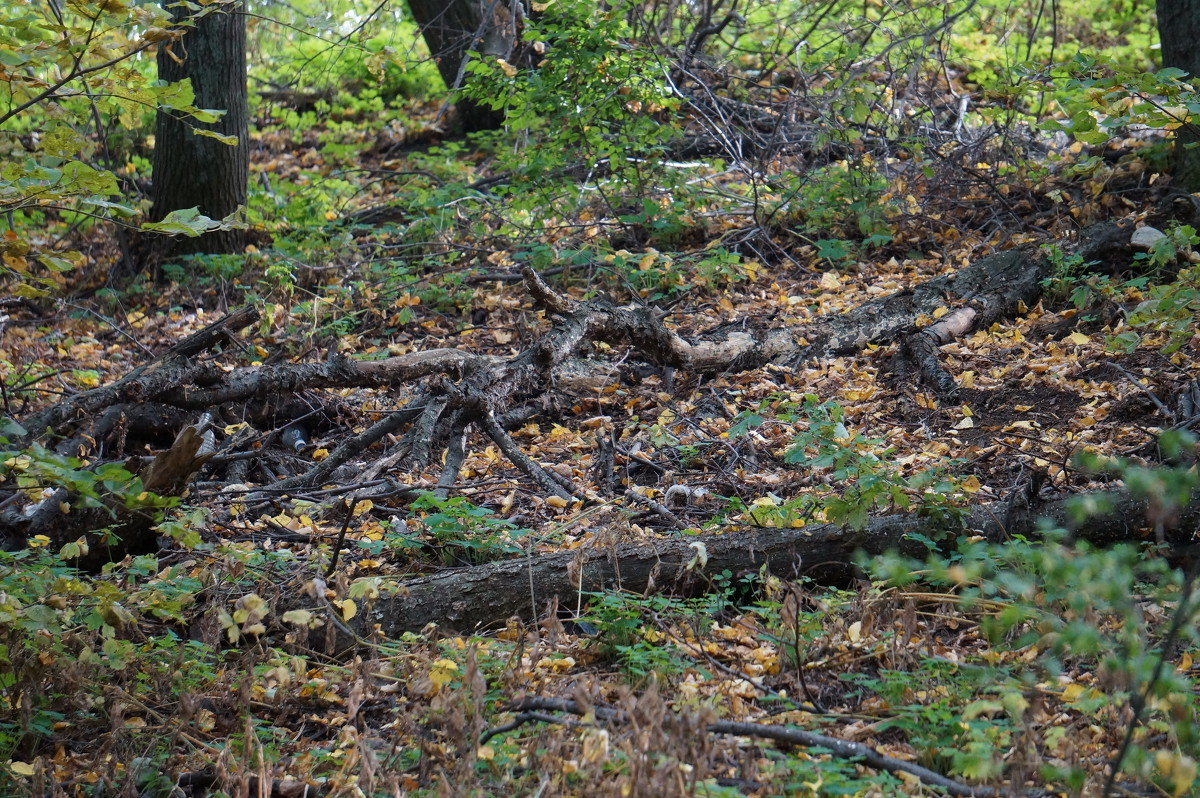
556 664
348 607
1072 692
443 672
595 745
1078 338
298 617
855 632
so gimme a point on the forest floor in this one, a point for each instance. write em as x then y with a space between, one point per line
241 661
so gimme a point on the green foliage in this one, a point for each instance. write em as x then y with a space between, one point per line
455 531
959 719
839 205
1100 104
69 69
594 109
1165 310
656 276
65 636
636 632
857 468
305 47
591 94
1117 612
36 468
1171 309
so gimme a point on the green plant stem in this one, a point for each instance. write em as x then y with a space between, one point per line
1138 702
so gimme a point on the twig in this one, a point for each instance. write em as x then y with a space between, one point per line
660 509
341 538
843 749
350 447
696 650
510 277
423 430
1137 384
455 454
544 479
525 717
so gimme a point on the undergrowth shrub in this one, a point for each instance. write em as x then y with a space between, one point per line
860 478
1112 629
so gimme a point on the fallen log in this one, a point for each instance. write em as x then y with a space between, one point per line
467 599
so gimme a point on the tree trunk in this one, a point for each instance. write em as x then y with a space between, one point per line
1179 30
452 27
194 171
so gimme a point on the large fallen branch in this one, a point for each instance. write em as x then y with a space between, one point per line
457 390
485 595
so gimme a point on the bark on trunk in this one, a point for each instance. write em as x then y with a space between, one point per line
1179 30
450 29
191 170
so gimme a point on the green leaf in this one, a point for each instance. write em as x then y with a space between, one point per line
206 115
121 210
62 141
187 221
232 141
80 178
179 96
12 58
